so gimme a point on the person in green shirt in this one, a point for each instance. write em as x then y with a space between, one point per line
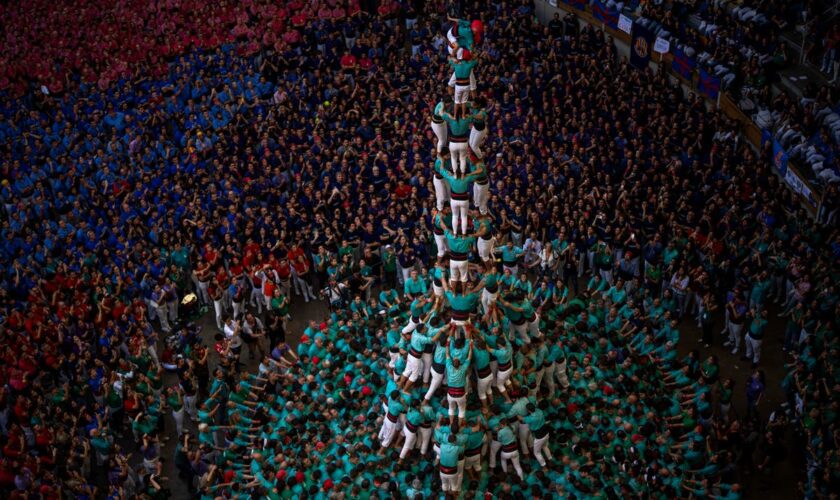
505 440
414 286
450 454
439 126
176 404
755 336
462 64
456 381
459 196
459 249
393 418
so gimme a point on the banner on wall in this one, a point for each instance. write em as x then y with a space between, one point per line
625 24
709 84
682 64
605 14
794 181
577 4
662 46
780 158
641 46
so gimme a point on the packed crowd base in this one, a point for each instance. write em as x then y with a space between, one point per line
602 211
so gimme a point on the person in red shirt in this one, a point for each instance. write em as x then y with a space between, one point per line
349 64
300 272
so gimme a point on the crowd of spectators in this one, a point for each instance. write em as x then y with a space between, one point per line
263 160
742 43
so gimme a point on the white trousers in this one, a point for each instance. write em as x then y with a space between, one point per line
460 215
413 368
501 378
441 244
459 156
487 298
460 403
514 459
481 195
437 379
540 449
462 94
442 192
477 138
458 270
441 132
484 387
410 441
753 348
388 431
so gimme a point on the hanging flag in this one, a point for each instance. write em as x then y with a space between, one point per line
709 84
605 14
640 46
625 24
780 157
662 46
682 64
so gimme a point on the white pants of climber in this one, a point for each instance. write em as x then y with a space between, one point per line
458 270
521 331
534 327
459 402
425 437
484 387
441 192
449 482
413 368
441 132
412 324
462 94
502 377
473 462
460 215
481 195
437 379
441 244
539 378
514 459
410 441
427 366
540 449
484 248
487 298
388 431
459 156
476 141
524 432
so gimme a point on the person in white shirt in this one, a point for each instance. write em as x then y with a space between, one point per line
679 285
548 260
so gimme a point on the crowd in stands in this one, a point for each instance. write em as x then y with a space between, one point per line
742 44
272 157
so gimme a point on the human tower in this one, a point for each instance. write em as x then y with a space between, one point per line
451 363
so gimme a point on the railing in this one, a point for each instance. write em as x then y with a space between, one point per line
792 175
